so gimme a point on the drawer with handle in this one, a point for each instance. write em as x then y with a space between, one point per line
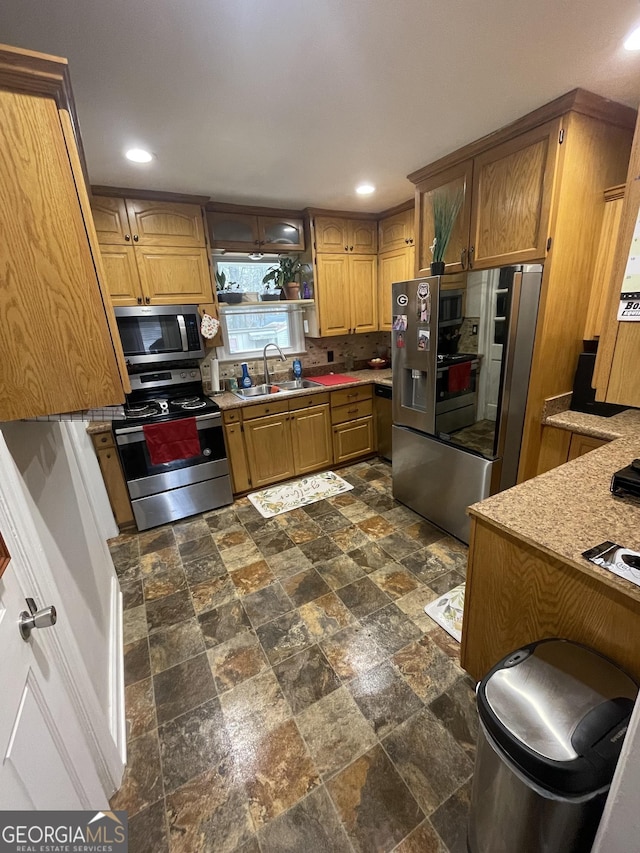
351 395
342 414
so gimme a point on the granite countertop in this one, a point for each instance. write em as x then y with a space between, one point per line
626 423
228 400
570 509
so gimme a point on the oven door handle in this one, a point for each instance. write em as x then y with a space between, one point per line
182 326
129 435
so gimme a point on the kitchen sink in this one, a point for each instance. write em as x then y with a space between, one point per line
297 384
257 391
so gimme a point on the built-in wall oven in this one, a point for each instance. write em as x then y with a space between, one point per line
152 334
165 491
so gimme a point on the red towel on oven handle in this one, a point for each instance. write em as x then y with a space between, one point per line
459 376
172 441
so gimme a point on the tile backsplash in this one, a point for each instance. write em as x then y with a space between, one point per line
348 352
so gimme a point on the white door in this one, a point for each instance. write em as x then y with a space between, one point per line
493 327
45 761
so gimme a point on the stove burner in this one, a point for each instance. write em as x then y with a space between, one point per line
193 404
181 401
142 410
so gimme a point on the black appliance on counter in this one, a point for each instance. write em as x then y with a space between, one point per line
584 396
168 491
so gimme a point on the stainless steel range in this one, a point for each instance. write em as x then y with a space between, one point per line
166 491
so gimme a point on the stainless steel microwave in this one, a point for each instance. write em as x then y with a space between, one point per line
451 307
154 333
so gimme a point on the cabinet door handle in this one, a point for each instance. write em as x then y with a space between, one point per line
351 248
346 248
352 411
147 299
127 237
471 250
139 300
463 255
135 238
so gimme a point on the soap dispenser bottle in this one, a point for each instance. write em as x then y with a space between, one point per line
245 379
297 368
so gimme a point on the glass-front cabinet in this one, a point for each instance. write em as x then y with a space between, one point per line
246 232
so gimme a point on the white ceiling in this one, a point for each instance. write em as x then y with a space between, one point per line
293 102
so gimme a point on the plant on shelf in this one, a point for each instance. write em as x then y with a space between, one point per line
223 288
284 275
446 206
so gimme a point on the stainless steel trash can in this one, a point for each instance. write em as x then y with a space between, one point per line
553 716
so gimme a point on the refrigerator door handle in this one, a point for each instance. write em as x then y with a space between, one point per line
516 291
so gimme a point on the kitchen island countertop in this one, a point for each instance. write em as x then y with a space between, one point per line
227 400
570 509
625 423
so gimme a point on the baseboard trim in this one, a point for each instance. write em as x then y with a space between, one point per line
117 713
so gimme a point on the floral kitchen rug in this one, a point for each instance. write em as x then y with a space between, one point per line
447 610
278 499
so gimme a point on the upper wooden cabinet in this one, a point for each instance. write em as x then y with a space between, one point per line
533 192
154 252
59 347
616 376
334 235
246 232
121 221
603 267
392 266
506 201
345 290
396 231
511 199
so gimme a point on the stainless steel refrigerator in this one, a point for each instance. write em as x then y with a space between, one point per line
462 348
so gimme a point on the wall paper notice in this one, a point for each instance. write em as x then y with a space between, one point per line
629 307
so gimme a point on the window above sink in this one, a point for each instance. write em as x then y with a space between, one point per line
247 329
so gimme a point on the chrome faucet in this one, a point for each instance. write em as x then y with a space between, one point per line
267 378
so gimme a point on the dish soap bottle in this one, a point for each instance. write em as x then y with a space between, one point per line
245 379
297 368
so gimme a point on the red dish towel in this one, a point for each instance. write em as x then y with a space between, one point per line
460 376
172 441
333 379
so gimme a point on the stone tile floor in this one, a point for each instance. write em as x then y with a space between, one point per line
285 691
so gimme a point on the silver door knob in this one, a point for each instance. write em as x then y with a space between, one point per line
34 618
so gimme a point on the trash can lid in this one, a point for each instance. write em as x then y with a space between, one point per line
560 712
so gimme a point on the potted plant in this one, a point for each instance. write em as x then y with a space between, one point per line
223 289
446 206
284 275
270 295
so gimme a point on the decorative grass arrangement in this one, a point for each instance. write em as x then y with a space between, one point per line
446 206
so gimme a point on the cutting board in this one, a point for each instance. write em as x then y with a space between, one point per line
334 379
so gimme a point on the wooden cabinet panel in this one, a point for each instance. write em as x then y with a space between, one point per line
110 220
49 277
113 477
396 232
331 234
170 276
121 274
352 411
511 199
353 439
311 439
392 266
165 223
603 267
311 400
269 451
259 410
362 236
234 441
351 395
332 294
554 448
363 293
451 181
581 444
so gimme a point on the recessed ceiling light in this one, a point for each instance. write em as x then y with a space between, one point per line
139 155
365 189
632 41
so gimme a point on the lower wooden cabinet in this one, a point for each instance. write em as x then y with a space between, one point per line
560 445
113 477
353 439
275 441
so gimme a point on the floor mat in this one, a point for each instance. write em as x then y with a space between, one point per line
278 499
447 610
